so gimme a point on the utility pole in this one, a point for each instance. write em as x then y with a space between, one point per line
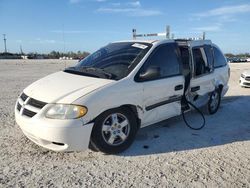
134 34
4 40
21 50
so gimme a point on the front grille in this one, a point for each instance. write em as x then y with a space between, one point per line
245 83
19 106
36 103
23 96
28 113
24 106
247 78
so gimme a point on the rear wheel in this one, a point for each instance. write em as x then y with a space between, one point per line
214 102
114 130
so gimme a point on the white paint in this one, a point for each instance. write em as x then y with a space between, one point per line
99 95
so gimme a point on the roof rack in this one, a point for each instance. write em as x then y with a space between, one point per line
167 35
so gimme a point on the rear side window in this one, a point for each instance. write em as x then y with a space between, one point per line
165 57
219 59
210 59
200 61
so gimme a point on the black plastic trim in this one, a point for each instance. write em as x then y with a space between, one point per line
23 96
170 100
196 88
28 113
36 103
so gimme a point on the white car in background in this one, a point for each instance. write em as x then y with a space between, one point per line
245 79
102 101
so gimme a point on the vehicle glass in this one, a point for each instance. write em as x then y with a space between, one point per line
165 57
210 59
185 59
114 61
200 61
219 59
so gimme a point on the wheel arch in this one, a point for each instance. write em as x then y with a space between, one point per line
132 108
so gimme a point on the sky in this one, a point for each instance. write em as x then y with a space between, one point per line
86 25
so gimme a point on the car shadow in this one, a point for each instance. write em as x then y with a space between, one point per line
230 124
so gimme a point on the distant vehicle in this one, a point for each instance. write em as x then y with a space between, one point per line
245 79
236 60
102 101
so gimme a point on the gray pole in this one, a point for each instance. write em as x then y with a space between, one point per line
168 32
134 34
204 36
4 39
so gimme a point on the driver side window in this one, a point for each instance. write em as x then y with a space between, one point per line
164 57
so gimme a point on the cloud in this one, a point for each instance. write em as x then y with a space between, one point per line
42 41
130 11
225 11
86 32
133 8
134 4
208 28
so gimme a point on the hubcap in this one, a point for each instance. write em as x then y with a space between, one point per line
214 101
115 129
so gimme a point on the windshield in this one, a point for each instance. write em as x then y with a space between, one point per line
114 61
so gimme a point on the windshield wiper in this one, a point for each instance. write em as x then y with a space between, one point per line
98 71
72 70
90 71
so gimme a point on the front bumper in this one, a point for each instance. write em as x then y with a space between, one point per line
57 135
244 83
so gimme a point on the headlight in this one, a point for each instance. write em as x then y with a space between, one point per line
66 111
242 75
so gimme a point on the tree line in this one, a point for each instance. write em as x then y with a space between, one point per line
52 55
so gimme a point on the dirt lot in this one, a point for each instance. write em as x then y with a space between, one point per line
165 155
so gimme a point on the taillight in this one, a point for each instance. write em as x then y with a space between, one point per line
229 72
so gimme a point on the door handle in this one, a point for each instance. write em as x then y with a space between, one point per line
196 88
178 87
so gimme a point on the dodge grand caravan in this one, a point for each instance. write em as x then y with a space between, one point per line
101 102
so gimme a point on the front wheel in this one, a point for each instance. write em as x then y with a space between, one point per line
214 102
114 130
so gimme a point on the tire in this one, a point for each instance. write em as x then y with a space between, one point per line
214 102
114 130
92 146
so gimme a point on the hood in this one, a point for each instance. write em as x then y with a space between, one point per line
62 87
246 72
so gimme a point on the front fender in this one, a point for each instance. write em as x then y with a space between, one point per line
113 96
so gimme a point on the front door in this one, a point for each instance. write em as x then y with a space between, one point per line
162 95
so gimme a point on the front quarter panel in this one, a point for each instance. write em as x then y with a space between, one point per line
123 92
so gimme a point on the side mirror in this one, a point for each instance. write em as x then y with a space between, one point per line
150 74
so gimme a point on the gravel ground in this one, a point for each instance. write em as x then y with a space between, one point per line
164 155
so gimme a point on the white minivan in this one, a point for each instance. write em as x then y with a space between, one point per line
102 101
